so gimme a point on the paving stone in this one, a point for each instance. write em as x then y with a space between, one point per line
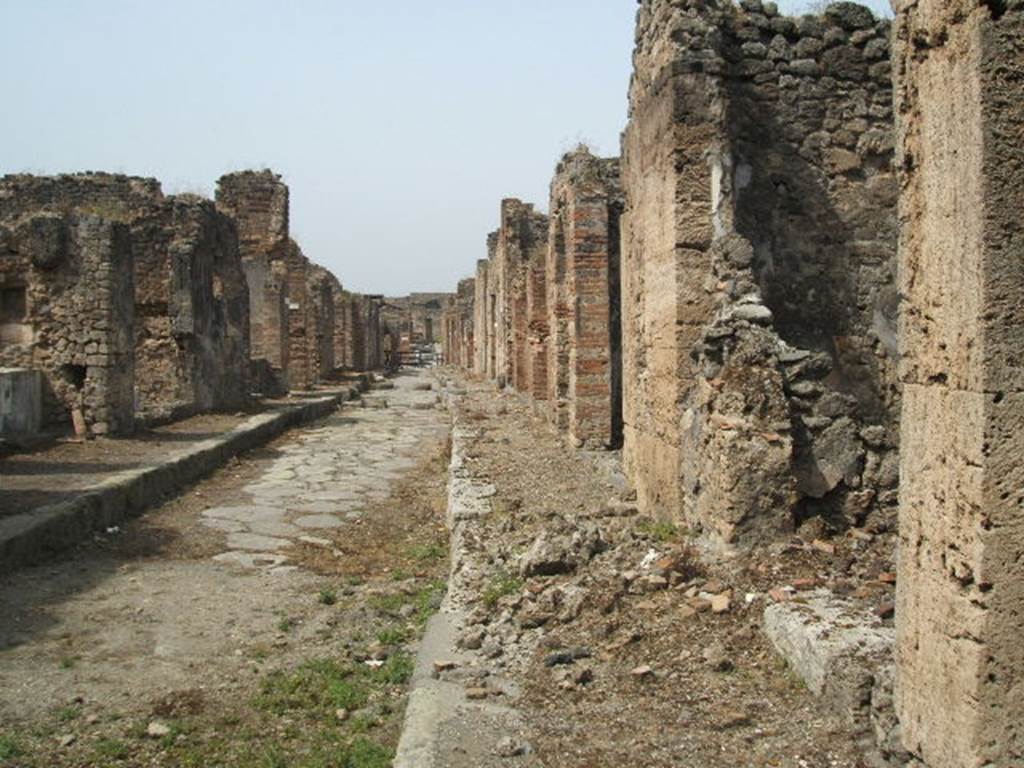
319 521
246 514
228 526
250 559
253 541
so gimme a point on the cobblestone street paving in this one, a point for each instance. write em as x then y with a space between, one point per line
275 575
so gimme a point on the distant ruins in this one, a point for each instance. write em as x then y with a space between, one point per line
724 303
120 306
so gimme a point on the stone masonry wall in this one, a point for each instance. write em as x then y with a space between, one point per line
960 594
191 311
111 196
321 286
538 323
458 325
586 388
257 201
758 253
301 321
191 315
418 315
521 234
481 329
66 294
814 190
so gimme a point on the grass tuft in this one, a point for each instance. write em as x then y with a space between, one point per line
500 585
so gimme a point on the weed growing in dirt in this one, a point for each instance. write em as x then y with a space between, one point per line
427 553
396 670
393 635
327 597
662 531
500 585
321 687
285 625
274 758
367 754
111 749
68 662
10 748
426 601
318 687
67 714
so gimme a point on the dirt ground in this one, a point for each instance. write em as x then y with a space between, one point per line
55 470
621 668
141 649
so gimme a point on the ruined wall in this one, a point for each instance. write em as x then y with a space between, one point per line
418 315
257 201
583 256
358 332
674 124
960 601
538 323
814 191
111 196
67 310
480 335
191 304
758 252
520 238
374 329
342 323
464 314
191 311
321 287
302 320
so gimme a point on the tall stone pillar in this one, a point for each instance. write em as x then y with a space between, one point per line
960 611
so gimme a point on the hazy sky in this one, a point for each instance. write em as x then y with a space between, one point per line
398 125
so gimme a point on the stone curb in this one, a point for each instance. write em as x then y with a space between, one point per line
436 708
30 537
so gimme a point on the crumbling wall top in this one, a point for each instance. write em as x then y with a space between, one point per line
258 202
113 196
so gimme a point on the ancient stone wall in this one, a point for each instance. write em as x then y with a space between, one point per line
583 270
538 323
111 196
257 201
191 305
960 597
358 332
67 310
418 315
457 321
301 321
464 311
758 253
374 333
191 311
321 288
520 238
344 336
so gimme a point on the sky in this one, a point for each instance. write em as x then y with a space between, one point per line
398 126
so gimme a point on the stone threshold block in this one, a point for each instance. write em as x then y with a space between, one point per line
837 649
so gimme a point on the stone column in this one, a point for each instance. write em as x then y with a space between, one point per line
960 610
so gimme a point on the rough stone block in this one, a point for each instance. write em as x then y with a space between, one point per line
835 648
21 402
